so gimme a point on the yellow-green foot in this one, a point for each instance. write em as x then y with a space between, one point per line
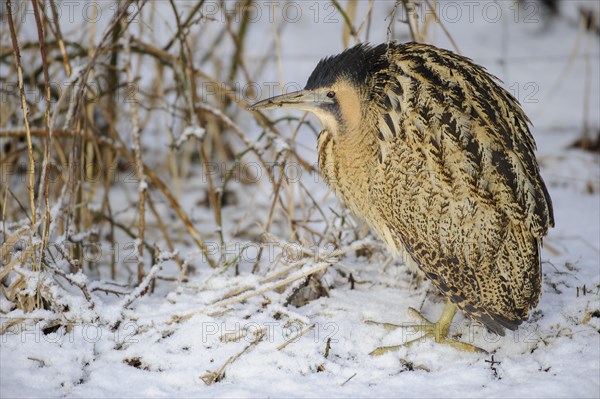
438 331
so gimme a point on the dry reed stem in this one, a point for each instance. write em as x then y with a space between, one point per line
587 90
187 62
216 376
349 378
43 189
11 240
318 268
137 150
104 146
412 20
392 18
180 212
240 334
239 298
348 29
225 91
25 109
70 278
142 287
271 213
296 337
149 172
22 259
238 41
163 229
323 255
366 18
59 37
122 13
8 324
560 77
441 24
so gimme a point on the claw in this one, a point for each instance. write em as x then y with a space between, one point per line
438 331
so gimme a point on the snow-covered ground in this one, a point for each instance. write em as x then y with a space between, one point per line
194 339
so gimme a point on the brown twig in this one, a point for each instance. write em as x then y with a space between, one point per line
348 26
270 216
43 189
162 227
24 107
212 376
142 287
319 267
182 216
157 181
137 150
296 337
69 277
441 24
58 34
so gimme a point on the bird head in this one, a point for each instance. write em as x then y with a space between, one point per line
339 89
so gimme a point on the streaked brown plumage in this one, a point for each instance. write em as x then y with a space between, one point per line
439 160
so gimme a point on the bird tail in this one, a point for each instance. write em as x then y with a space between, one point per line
516 286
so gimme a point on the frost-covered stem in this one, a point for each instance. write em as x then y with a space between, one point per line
211 377
188 73
137 150
271 213
31 165
319 267
322 254
43 188
296 337
187 66
156 181
214 197
72 278
122 16
161 225
250 144
143 285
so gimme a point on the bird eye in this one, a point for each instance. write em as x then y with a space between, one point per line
331 94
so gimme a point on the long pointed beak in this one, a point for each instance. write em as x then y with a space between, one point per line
306 100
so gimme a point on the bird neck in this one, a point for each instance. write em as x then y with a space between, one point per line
346 163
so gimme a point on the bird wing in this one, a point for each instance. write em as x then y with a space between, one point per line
470 202
454 108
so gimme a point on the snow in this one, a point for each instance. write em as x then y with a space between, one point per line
168 343
190 131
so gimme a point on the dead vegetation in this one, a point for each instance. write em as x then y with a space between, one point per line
88 202
93 208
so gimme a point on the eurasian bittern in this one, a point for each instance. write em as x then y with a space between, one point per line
439 160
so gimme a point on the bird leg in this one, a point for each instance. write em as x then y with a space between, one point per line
438 331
